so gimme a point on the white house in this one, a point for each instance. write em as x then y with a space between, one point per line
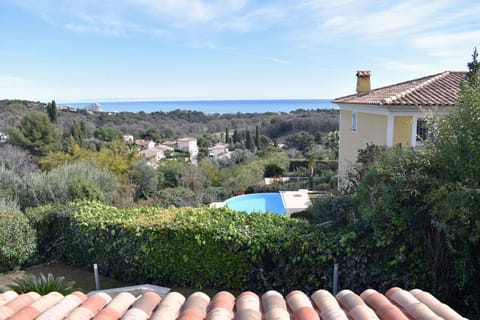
128 138
145 144
3 137
219 151
156 153
188 145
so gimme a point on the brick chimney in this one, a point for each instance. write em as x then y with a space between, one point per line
363 82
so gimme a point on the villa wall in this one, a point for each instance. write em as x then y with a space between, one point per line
372 128
402 134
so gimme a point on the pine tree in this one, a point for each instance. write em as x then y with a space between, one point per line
227 137
257 137
474 70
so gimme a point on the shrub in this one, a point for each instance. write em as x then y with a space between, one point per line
75 181
43 285
334 208
198 247
17 240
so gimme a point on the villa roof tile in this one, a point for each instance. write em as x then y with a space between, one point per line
440 89
395 304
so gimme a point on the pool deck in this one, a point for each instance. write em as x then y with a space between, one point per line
293 201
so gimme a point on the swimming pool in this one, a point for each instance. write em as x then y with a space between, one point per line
257 202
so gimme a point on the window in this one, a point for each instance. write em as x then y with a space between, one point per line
354 121
422 130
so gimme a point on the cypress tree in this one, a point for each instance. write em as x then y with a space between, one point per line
52 112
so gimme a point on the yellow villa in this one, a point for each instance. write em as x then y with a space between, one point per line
393 114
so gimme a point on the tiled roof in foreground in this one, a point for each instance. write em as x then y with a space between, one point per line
396 304
441 89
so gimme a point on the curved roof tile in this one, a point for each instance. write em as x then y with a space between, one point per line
370 304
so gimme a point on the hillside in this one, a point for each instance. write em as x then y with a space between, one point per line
178 123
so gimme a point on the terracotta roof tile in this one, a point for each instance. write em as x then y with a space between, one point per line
396 304
440 89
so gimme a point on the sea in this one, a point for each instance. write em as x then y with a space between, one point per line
211 106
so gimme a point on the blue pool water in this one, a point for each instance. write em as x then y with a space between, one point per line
257 202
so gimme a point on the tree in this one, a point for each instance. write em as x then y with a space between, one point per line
473 70
300 140
78 132
455 171
150 134
36 134
145 178
16 158
52 111
257 138
273 170
248 141
330 142
227 136
107 134
236 137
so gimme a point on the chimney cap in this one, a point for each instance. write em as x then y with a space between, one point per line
363 73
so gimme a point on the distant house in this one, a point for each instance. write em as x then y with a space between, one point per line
145 144
156 153
128 138
188 145
67 108
3 137
171 143
219 151
94 107
394 114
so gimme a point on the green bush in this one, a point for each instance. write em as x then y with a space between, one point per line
43 285
17 240
333 208
69 182
198 247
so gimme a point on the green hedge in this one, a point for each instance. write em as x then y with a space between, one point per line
201 247
17 240
198 247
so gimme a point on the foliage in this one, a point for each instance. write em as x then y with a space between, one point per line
107 134
333 208
16 158
301 140
36 134
330 142
177 197
273 170
145 178
79 180
17 239
52 111
151 134
43 285
195 247
455 194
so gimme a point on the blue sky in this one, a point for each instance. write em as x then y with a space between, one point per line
90 50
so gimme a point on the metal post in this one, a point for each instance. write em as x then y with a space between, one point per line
97 280
335 278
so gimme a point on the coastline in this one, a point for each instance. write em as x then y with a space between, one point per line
211 106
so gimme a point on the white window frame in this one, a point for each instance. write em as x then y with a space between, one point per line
418 141
354 121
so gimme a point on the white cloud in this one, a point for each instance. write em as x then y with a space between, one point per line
385 22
